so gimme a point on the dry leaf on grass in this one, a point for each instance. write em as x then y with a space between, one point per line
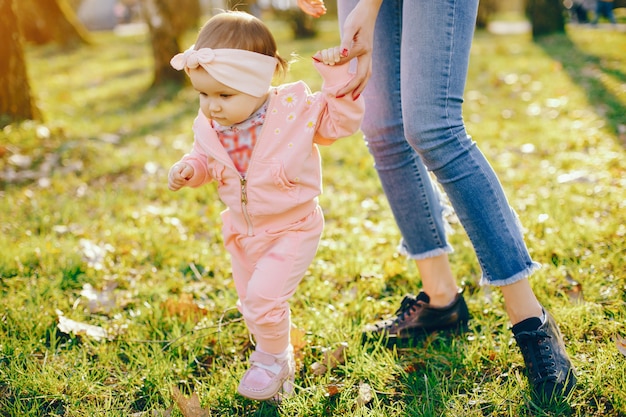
298 342
365 394
189 407
620 342
297 338
574 290
154 413
333 389
330 361
184 307
100 301
70 326
93 253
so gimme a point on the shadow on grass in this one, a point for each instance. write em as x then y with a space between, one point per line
142 105
151 98
139 105
589 71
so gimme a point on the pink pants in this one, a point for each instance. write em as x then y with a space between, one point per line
267 269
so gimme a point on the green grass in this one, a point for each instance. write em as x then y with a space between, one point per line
549 116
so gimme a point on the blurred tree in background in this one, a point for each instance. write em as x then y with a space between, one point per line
45 21
546 16
302 25
39 22
167 21
486 9
16 102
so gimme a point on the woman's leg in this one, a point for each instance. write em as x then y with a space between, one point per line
609 13
437 36
414 200
436 41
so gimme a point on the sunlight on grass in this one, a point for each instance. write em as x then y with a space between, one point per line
84 205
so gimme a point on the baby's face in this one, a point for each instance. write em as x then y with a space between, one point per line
221 103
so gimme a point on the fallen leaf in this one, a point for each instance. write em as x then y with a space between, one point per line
93 253
409 369
184 307
620 342
330 361
332 390
20 161
189 407
365 394
574 290
111 138
298 342
154 413
80 329
576 176
100 301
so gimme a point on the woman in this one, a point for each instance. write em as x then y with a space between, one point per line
417 55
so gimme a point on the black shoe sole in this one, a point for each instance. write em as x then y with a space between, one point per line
415 335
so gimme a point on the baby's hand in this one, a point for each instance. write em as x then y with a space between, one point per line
329 56
179 174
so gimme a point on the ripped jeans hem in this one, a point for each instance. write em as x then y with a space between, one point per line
534 266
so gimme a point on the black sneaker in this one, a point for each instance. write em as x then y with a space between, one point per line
416 317
549 369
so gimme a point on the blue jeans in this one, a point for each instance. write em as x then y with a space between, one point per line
413 124
604 8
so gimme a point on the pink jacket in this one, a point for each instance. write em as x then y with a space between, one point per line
284 176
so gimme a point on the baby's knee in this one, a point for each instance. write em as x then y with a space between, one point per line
265 314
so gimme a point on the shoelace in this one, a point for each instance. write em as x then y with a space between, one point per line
539 354
407 304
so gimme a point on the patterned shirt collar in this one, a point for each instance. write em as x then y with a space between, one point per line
256 119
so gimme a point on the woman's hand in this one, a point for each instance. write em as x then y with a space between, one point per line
358 41
315 8
179 174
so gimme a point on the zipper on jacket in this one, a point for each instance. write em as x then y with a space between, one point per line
242 180
244 204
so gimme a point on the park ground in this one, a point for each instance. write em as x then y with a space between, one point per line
116 294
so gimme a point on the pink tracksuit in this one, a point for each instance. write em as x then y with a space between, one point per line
273 222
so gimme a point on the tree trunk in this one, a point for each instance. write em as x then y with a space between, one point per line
168 20
486 9
16 102
546 17
45 21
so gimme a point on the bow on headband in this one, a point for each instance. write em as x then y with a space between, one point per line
245 71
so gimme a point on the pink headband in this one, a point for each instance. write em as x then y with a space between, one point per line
245 71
